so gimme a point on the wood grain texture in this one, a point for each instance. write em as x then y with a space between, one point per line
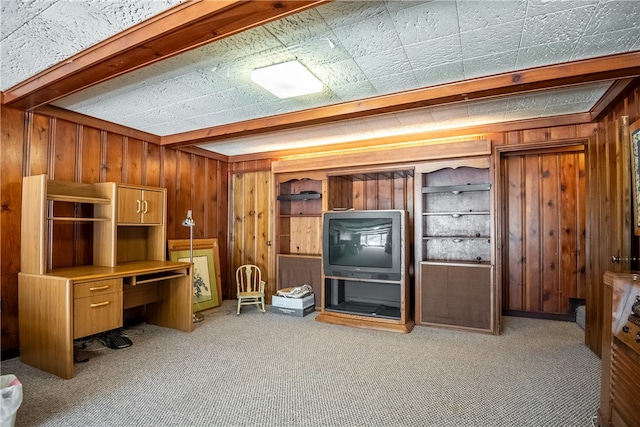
34 143
544 262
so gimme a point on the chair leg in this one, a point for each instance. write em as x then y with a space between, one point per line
238 312
262 301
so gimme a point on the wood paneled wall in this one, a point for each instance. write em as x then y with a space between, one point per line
251 213
65 150
610 227
543 218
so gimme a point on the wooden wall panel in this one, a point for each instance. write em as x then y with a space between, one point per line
152 165
513 287
35 144
90 152
251 208
114 156
544 258
199 180
11 152
168 181
132 171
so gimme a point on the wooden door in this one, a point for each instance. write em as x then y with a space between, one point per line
129 205
543 228
152 206
251 209
610 226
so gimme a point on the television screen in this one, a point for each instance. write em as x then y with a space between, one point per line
361 242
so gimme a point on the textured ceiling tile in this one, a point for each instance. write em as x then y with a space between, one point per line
614 15
339 73
545 54
445 73
490 13
555 27
345 13
386 63
245 44
605 44
544 7
204 82
415 117
298 28
354 91
450 113
567 108
435 52
370 36
490 64
493 106
20 12
426 21
400 81
491 40
63 29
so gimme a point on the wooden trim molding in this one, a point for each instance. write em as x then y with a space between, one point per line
426 150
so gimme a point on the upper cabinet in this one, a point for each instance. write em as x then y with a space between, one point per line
139 205
125 222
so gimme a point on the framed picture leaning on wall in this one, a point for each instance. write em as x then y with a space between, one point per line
207 287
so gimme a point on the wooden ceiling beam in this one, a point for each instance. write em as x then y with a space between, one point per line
554 76
186 26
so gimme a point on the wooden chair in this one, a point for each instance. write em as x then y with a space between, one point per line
250 286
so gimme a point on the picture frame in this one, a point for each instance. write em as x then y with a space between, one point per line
634 129
207 285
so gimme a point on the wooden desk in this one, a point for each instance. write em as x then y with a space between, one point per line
71 303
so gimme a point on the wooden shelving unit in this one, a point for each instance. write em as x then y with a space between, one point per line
454 254
300 201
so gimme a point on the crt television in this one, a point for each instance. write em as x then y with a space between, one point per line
366 244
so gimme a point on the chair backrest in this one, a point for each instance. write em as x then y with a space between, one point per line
249 278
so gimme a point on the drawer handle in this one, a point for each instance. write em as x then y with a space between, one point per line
100 288
100 304
457 240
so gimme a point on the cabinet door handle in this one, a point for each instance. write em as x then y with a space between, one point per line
456 215
146 206
457 240
100 288
100 304
138 204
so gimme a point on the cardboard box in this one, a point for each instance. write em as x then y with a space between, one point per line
296 312
298 307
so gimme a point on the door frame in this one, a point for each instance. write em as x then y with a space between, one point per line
499 151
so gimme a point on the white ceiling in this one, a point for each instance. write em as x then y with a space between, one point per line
357 49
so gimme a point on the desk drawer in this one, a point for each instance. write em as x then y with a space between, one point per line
97 287
95 314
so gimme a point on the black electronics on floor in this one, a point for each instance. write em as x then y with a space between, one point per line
114 339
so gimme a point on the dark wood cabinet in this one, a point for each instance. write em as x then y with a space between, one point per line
454 245
619 396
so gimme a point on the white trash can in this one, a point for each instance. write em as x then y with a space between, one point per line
11 390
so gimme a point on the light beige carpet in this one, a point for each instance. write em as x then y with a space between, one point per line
274 370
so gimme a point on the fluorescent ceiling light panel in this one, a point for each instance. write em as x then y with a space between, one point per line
287 80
